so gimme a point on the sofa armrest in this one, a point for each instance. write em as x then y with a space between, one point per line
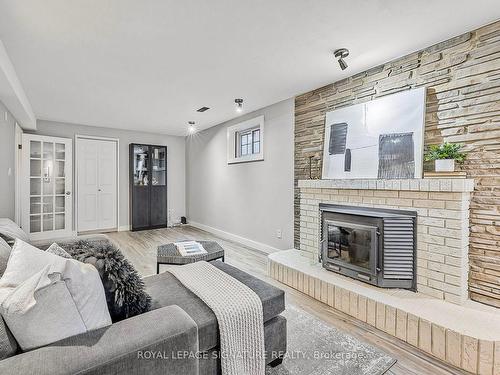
146 344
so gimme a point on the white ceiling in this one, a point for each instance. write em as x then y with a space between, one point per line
148 65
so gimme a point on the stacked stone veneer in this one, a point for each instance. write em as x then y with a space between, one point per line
462 76
442 207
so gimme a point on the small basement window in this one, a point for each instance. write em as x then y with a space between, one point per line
248 142
245 141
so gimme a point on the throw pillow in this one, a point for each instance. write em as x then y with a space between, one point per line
10 231
41 311
58 250
125 291
82 281
4 255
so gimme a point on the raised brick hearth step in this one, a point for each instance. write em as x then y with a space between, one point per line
466 336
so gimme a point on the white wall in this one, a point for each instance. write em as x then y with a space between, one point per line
176 160
250 200
7 149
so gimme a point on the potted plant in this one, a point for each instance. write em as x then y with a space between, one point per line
445 155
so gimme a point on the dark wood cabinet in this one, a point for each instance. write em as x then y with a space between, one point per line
148 186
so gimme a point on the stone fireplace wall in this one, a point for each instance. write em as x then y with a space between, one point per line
442 207
462 76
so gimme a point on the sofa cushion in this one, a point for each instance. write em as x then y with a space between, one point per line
273 299
54 316
166 290
4 255
8 344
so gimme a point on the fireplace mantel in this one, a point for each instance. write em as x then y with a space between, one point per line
417 184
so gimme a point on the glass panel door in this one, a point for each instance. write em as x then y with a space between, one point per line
59 183
159 166
48 189
141 165
35 171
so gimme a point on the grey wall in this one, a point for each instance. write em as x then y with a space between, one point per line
251 200
7 149
176 160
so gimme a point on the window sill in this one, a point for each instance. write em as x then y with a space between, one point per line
246 159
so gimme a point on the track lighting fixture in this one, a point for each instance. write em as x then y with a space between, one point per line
340 55
239 105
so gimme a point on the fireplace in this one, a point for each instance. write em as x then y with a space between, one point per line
376 246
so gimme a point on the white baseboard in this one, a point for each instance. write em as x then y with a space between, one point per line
123 228
234 237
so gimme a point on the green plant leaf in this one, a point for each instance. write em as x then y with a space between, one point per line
445 151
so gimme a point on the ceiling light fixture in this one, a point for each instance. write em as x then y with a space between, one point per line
340 55
191 128
239 105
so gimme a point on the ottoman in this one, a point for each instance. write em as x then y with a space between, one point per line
168 254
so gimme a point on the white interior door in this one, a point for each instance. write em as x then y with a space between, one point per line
97 184
107 185
46 186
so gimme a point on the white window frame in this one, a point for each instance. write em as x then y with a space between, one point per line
233 141
247 132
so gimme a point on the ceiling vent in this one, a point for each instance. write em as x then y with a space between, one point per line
202 109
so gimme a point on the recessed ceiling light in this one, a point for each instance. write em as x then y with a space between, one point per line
202 109
239 105
191 128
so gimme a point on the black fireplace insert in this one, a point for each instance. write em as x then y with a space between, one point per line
373 245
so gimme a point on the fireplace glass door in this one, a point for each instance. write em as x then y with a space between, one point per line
351 245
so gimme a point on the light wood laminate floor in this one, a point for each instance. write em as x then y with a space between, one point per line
140 249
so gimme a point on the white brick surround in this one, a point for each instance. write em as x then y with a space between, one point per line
442 207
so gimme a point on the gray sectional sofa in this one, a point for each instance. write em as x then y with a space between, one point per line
160 341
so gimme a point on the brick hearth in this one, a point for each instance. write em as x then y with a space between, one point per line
466 336
442 207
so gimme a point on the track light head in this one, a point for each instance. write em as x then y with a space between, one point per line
239 105
340 55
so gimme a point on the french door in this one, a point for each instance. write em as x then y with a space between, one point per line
46 186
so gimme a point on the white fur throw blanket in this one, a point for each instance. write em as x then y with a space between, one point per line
239 314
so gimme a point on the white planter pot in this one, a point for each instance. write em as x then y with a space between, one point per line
445 165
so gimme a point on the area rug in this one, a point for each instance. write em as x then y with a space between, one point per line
316 348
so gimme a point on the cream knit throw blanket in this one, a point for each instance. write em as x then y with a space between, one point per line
239 314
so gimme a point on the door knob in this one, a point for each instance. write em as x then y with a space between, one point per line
68 193
98 189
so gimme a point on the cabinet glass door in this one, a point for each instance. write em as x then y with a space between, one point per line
141 164
159 166
48 191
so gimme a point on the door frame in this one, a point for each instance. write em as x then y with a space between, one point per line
25 186
97 138
18 170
